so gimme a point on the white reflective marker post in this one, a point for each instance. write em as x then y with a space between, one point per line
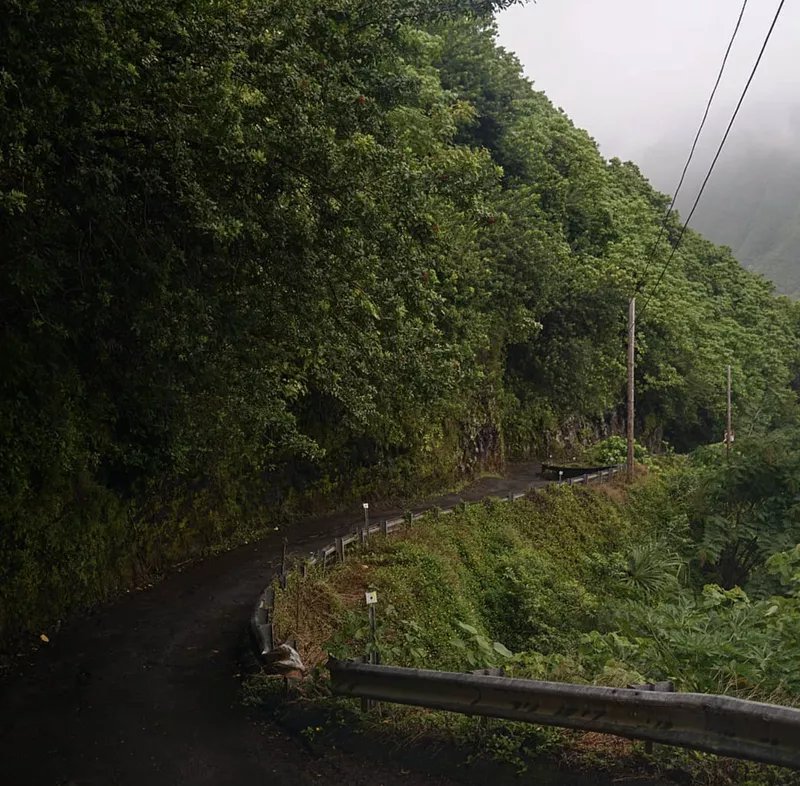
372 604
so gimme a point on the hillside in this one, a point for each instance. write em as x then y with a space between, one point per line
762 224
751 202
682 576
266 259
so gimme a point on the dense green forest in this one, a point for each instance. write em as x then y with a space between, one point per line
260 257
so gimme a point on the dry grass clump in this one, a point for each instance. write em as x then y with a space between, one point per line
309 610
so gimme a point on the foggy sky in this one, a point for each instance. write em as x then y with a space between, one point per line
637 73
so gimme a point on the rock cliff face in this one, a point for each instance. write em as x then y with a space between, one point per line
481 448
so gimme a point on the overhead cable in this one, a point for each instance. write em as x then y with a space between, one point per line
651 254
716 157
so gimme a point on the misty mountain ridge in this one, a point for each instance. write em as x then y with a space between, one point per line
752 201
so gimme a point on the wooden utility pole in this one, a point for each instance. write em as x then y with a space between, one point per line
631 369
729 430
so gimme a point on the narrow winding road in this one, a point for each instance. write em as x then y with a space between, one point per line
145 691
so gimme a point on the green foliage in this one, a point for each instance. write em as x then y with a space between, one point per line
397 640
746 507
478 652
614 450
713 519
265 256
719 641
533 598
786 566
467 590
652 569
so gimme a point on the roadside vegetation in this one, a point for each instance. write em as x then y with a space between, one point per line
265 259
692 575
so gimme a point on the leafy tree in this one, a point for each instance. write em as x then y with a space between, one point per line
237 241
748 508
259 255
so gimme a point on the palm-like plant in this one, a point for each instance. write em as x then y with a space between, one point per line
652 569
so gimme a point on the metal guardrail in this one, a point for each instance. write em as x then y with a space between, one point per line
567 471
716 724
261 625
336 551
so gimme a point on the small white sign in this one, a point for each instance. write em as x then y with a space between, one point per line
372 598
366 505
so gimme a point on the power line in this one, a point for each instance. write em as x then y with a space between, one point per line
716 157
651 254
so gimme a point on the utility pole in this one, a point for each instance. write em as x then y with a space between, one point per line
729 430
631 369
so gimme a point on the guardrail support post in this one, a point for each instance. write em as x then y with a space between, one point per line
283 563
385 527
366 704
340 549
665 686
648 746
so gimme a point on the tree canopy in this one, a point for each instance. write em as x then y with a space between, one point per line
256 253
